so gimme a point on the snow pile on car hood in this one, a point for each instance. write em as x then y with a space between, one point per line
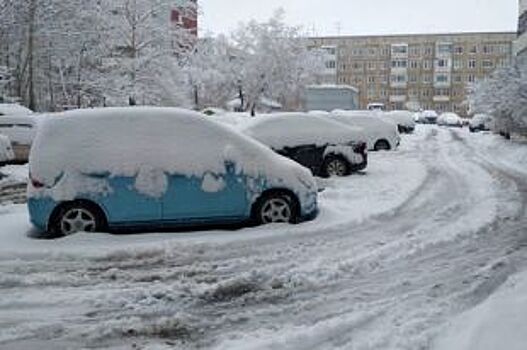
142 142
282 130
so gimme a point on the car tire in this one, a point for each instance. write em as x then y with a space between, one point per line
382 145
276 207
335 166
78 216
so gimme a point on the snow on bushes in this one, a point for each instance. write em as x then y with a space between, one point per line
148 144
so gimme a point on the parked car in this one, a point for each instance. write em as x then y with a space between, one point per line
6 151
146 167
375 107
380 134
427 117
450 119
404 120
326 147
12 109
481 122
20 129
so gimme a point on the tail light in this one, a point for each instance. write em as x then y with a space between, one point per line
360 148
35 183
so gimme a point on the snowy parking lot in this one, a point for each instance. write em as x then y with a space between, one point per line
397 253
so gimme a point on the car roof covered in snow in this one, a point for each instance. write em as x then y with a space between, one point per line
13 109
401 117
282 130
128 141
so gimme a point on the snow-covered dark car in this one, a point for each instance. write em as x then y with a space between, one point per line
481 122
404 120
326 147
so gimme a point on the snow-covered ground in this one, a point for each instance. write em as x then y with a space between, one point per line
426 233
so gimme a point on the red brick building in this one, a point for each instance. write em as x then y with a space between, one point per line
186 16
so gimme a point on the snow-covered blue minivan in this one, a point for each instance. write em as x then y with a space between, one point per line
147 167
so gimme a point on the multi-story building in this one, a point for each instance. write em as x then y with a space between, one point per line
521 42
422 71
185 16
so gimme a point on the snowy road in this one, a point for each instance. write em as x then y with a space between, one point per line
428 232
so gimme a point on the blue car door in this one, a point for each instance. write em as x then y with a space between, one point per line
213 197
127 206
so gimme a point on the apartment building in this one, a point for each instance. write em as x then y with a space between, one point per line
419 71
521 42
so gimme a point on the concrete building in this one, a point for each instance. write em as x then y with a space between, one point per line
521 42
427 71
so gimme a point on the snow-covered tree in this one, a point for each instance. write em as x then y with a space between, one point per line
273 61
143 51
504 95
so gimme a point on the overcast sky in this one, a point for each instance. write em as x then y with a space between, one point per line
359 17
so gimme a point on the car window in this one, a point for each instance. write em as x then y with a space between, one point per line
6 125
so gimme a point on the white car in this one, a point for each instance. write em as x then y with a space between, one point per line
427 117
481 122
21 131
324 146
381 134
450 119
6 150
14 109
404 120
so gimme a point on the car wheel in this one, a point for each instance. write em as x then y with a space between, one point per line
276 208
335 166
77 217
382 145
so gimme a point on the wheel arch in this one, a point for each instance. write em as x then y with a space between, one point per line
79 201
382 140
276 191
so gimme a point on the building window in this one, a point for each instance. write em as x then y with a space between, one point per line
444 48
399 49
458 64
472 64
415 51
487 49
427 79
427 64
371 65
442 78
429 51
413 78
371 79
399 63
487 64
458 50
471 78
398 78
442 63
414 64
458 78
473 49
331 64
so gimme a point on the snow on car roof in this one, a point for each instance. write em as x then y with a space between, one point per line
282 130
12 109
401 117
131 141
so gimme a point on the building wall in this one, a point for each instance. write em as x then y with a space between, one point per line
418 71
521 42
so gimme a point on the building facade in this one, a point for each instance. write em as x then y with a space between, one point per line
418 71
185 16
521 42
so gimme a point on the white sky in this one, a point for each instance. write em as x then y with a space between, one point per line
359 17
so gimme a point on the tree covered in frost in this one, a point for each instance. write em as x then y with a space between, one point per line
59 54
274 62
504 95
